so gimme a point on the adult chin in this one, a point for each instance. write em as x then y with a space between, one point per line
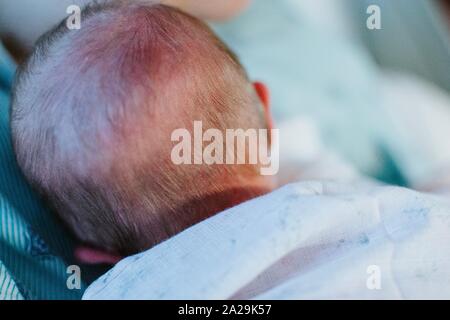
214 10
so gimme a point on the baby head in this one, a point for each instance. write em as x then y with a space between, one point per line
92 115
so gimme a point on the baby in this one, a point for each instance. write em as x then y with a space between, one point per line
92 115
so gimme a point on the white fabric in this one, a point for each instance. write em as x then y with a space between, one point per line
305 240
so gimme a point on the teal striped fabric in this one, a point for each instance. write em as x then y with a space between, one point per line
34 250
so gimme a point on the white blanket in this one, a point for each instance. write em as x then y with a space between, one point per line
307 240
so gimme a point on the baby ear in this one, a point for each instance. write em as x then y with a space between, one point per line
88 255
263 93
